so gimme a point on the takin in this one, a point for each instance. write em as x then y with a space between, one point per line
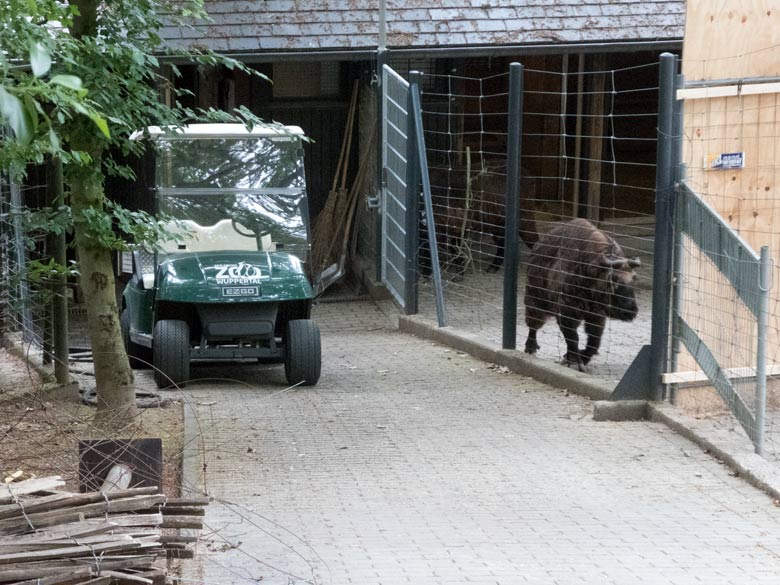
578 273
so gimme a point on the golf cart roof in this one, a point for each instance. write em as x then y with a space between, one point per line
218 131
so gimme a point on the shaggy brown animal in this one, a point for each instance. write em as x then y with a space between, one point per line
578 273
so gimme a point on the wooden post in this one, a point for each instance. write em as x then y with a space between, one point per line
596 140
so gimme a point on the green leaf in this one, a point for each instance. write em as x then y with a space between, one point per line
69 81
40 60
54 139
15 114
31 109
101 123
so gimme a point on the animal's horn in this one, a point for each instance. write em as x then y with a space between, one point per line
612 261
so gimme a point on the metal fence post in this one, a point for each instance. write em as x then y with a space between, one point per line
422 161
642 380
677 258
381 60
763 317
412 219
515 131
664 230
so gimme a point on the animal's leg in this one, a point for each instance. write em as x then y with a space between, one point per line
568 326
594 328
498 259
534 319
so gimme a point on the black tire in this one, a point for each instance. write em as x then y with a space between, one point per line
171 351
302 353
140 357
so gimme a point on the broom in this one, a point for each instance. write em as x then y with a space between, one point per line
327 220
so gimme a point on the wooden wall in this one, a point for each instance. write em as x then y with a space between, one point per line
726 41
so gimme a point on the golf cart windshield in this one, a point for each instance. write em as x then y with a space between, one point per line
251 185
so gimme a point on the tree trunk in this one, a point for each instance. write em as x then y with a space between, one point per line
113 376
116 406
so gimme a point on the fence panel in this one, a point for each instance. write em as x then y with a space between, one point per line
720 312
394 193
26 303
588 150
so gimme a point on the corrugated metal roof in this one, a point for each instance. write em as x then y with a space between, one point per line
295 25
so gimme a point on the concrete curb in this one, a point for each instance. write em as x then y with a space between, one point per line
520 363
620 411
733 448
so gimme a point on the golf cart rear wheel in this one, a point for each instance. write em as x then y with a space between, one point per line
302 353
171 350
140 357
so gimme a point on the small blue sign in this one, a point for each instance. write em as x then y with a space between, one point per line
726 161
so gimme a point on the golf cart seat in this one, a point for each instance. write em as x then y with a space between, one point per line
220 236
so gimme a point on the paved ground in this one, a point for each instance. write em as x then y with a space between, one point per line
410 463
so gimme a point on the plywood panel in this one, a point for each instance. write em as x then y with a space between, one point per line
731 39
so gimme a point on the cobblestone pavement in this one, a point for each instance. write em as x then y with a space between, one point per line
411 463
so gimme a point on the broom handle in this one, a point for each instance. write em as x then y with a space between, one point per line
347 137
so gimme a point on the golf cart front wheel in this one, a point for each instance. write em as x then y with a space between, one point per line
171 352
302 353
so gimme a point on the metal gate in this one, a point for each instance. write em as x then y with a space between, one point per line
395 116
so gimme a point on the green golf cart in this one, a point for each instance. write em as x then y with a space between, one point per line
234 285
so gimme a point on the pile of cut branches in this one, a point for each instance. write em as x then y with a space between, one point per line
54 537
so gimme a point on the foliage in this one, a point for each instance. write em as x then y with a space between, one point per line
78 93
111 228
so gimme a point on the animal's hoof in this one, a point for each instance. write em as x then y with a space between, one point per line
573 360
531 347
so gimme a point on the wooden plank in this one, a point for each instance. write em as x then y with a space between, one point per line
67 577
187 502
731 39
133 520
9 492
69 551
68 499
55 517
22 571
122 577
182 522
697 376
699 93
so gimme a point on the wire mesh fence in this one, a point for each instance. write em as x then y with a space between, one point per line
588 151
25 298
731 159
